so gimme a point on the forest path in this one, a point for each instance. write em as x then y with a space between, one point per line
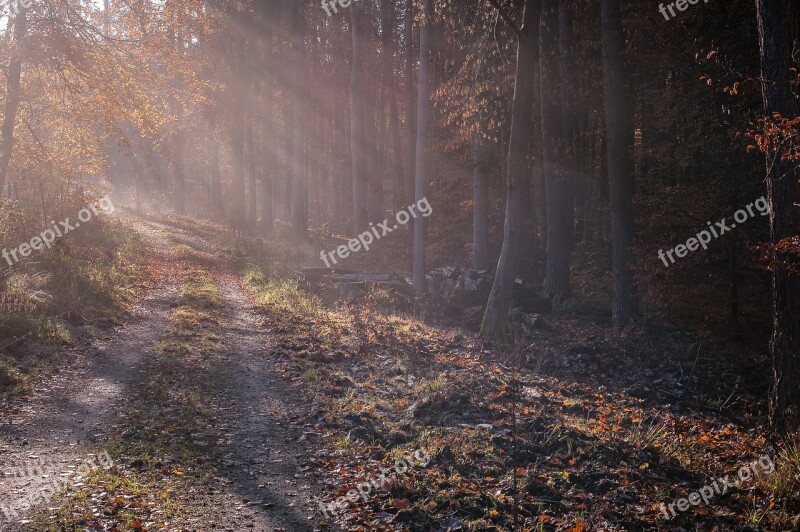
256 461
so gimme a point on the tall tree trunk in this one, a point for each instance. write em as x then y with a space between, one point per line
619 143
553 153
299 179
357 138
421 178
518 177
13 93
388 97
397 173
411 131
569 127
268 140
480 203
779 33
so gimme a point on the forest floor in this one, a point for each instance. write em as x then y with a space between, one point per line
231 400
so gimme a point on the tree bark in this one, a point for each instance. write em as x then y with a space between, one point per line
779 32
524 94
619 143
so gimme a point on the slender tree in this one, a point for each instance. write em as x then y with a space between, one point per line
299 179
779 37
411 131
421 178
357 137
619 144
517 167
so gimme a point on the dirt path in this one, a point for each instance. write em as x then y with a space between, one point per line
268 483
259 449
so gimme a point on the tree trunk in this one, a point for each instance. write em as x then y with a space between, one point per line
299 186
568 78
524 94
779 31
421 178
268 140
619 143
397 173
13 93
411 131
553 154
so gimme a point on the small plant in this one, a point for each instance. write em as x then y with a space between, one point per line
785 480
310 375
647 436
436 387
